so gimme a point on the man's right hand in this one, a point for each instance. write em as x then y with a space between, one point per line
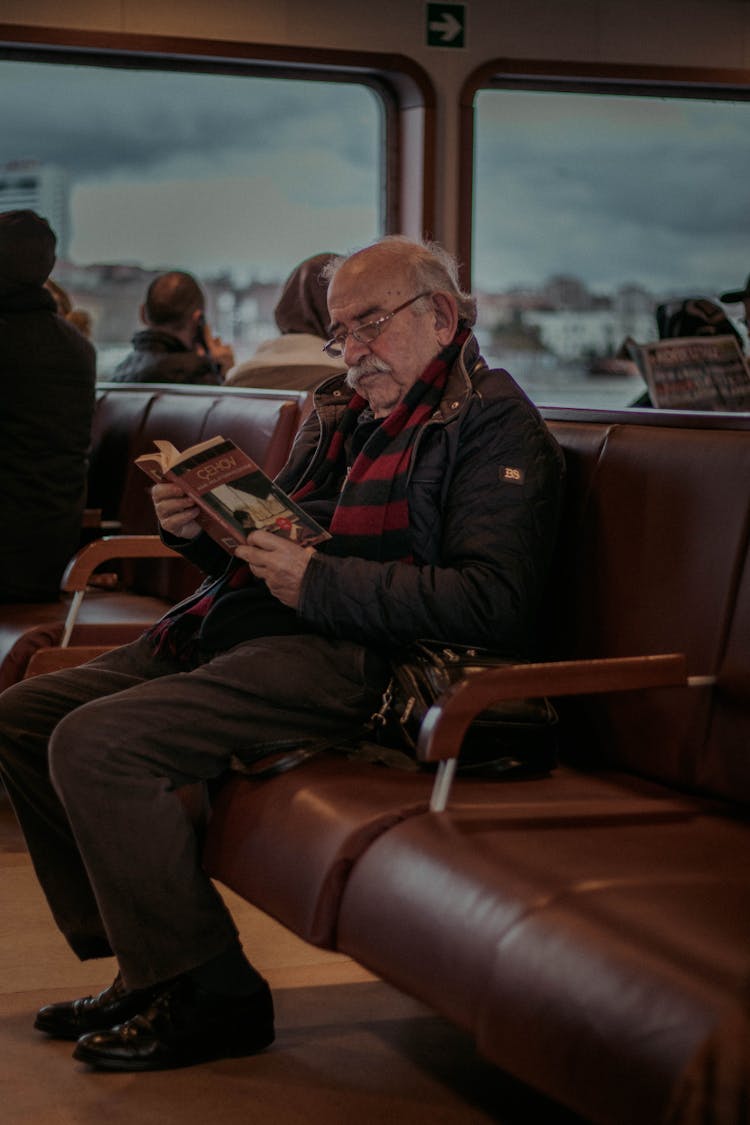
221 353
175 510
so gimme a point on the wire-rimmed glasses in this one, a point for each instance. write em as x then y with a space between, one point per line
366 333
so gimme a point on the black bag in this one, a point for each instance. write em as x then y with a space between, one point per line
515 737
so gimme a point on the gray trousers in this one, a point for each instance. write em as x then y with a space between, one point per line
91 758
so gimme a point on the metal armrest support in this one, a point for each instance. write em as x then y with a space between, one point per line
79 570
448 720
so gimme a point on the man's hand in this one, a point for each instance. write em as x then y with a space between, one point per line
221 353
175 511
279 562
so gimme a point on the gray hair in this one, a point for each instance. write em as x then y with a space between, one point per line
432 266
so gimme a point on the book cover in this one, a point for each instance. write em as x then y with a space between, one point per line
234 494
694 373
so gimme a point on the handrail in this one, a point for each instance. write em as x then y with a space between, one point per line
448 720
82 566
79 570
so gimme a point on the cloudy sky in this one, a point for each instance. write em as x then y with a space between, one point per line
612 190
202 172
214 172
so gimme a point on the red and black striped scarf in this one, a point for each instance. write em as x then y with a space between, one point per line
371 518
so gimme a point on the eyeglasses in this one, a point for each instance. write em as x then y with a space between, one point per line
366 333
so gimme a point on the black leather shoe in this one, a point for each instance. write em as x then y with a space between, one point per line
71 1019
183 1025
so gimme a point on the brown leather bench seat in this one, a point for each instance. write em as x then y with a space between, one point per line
591 944
591 929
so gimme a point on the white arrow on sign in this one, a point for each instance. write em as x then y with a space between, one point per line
448 27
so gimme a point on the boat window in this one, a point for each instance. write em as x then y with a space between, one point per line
233 177
592 210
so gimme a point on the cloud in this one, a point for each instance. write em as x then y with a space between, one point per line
610 189
102 122
207 172
246 225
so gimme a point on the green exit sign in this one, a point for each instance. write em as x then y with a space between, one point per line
446 25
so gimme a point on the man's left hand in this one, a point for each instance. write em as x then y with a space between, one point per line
279 562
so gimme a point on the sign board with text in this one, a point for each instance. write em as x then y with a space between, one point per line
446 25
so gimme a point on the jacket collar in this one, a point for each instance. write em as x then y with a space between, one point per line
458 387
156 339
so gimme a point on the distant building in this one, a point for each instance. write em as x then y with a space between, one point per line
571 334
563 318
44 188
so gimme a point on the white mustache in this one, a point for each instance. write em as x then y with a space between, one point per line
369 365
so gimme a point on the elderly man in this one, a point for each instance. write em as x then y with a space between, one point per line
176 345
440 486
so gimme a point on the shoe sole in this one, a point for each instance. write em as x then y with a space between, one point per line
101 1061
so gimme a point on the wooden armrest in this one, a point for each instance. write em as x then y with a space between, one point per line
79 570
447 721
82 566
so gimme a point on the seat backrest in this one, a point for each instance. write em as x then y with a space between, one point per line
653 557
130 417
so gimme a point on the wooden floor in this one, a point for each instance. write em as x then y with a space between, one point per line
349 1048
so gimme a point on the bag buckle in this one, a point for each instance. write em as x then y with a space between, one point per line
379 718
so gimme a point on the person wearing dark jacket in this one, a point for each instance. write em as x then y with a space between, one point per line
47 373
440 486
176 346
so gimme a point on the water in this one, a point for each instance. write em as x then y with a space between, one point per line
550 382
547 380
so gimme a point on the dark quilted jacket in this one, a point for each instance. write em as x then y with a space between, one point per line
158 357
485 489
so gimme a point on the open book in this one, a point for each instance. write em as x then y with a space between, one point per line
694 372
234 494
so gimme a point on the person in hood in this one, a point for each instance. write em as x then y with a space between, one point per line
48 373
295 360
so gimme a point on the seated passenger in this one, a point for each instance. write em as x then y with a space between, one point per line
176 345
440 485
695 316
48 372
295 360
